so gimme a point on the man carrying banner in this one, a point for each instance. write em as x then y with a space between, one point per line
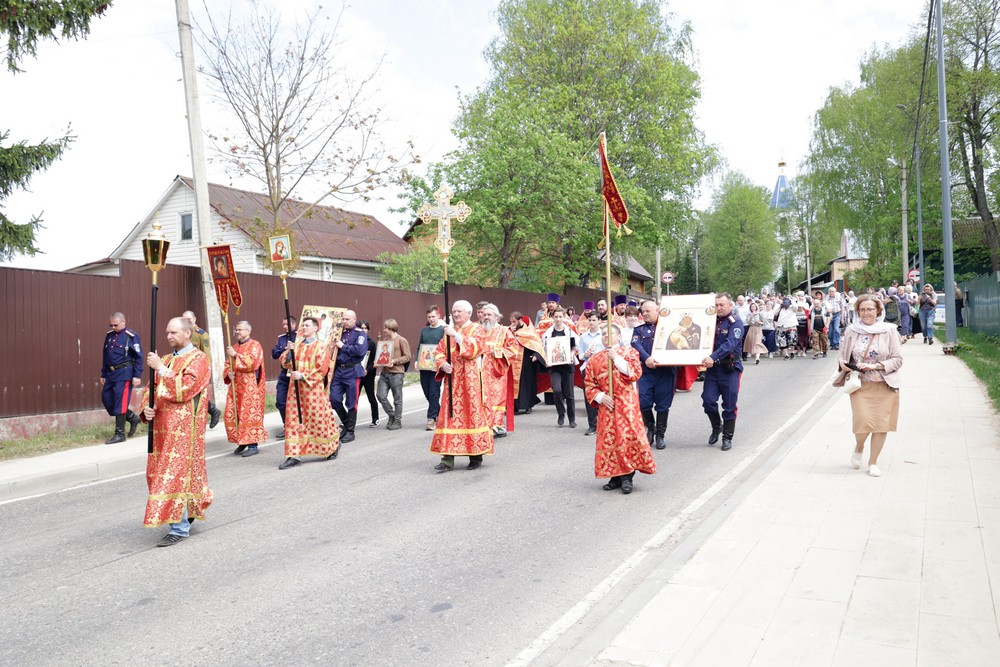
245 400
724 370
463 427
175 469
317 434
656 386
501 349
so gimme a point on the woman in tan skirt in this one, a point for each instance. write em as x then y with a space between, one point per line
753 339
872 348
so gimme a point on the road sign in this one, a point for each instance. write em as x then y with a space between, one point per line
667 277
913 275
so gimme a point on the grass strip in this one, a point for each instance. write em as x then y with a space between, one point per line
981 353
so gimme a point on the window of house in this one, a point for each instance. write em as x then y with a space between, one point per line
187 226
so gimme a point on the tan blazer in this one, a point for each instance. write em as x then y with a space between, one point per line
890 353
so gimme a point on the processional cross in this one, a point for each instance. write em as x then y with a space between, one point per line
444 213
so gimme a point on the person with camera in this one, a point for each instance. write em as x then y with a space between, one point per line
724 367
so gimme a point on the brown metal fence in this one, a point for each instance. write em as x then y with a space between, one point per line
52 325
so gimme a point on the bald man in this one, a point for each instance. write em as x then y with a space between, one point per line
351 349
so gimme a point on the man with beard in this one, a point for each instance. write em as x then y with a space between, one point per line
501 349
245 401
551 303
602 310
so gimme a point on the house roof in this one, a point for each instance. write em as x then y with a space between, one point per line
635 269
326 231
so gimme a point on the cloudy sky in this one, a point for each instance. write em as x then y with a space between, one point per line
766 67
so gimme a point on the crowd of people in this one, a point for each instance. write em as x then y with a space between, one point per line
477 373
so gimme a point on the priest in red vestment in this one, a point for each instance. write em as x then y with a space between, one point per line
175 470
501 349
245 400
463 426
317 434
622 447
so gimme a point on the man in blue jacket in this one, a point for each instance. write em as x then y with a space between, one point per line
724 369
121 370
351 349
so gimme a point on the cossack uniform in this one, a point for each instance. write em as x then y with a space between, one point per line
656 386
281 388
121 363
723 379
347 380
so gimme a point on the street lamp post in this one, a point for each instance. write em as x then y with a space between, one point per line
920 209
904 210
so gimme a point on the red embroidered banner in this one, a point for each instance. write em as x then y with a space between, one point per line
220 259
609 189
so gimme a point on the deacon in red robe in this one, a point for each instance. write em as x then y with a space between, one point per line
175 470
245 400
317 434
501 349
463 426
622 447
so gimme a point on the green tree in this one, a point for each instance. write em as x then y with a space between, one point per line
740 243
561 72
24 23
421 269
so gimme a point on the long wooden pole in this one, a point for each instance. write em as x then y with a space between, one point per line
289 335
152 372
607 281
232 369
447 310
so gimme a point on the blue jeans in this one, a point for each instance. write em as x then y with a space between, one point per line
432 392
834 330
927 322
183 528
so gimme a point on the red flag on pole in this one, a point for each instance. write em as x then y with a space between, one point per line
609 189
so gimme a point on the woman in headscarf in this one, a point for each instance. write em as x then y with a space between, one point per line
872 349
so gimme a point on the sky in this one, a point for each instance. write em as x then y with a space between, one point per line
765 67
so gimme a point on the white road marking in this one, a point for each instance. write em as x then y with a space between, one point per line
581 608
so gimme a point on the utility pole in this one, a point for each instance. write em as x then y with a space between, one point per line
213 315
659 282
808 264
951 332
906 229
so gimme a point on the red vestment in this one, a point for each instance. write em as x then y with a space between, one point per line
622 446
317 435
526 337
175 471
467 431
500 350
245 398
544 324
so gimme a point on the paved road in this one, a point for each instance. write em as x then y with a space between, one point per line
372 559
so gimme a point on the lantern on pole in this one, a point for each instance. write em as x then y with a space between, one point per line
154 254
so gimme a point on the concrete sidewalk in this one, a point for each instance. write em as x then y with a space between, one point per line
823 565
21 478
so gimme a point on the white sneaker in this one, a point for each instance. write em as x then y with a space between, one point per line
873 471
856 460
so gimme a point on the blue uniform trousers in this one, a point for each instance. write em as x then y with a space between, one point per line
281 395
656 387
726 384
345 386
116 396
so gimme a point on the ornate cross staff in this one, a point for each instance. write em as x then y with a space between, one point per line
444 213
154 252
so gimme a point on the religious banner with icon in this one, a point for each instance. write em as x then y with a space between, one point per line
558 351
685 332
280 248
220 260
331 326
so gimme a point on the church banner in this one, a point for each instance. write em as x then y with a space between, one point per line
220 259
685 332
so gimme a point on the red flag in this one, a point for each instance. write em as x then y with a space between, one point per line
609 189
220 259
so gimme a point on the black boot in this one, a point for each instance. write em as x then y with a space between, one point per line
661 428
728 428
119 435
571 411
213 414
352 419
650 421
716 427
133 422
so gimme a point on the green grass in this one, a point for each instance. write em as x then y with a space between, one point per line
58 441
981 353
